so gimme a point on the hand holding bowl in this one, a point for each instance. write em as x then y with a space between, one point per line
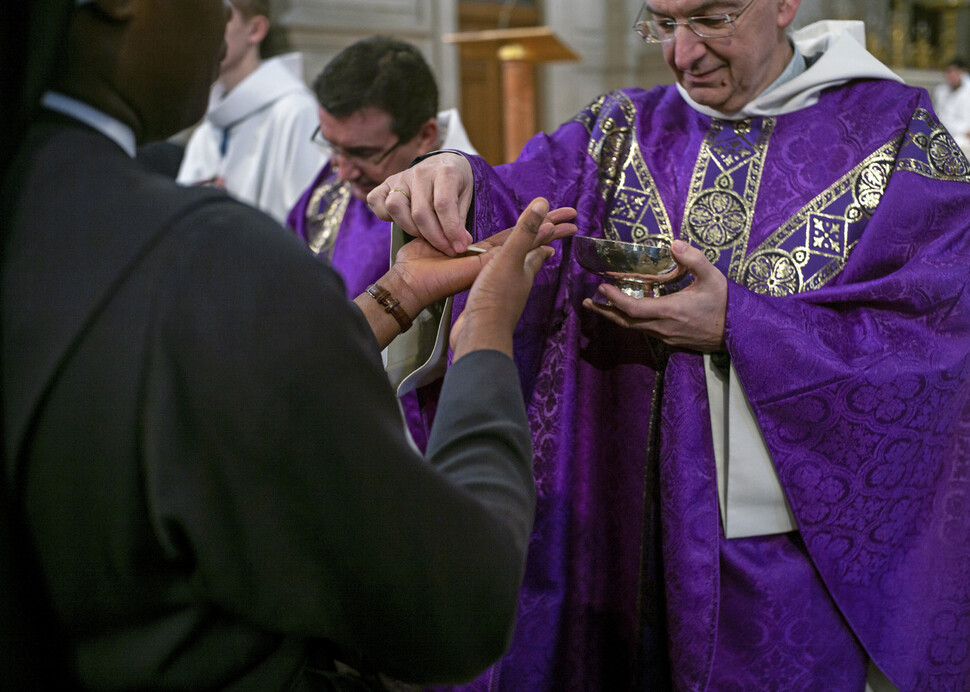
633 267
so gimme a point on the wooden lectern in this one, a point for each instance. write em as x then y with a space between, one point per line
517 50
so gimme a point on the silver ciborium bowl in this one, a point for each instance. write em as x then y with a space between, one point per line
635 268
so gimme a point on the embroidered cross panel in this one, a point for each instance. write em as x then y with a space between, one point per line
802 254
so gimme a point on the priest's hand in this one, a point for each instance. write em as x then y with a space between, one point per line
691 319
430 200
422 275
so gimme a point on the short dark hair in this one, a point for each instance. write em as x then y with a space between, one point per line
958 62
384 73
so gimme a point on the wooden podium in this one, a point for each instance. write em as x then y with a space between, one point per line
517 51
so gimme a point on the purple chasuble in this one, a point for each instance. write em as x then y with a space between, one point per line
842 230
343 230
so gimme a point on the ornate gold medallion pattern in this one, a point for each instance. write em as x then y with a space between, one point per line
724 189
808 249
634 208
930 151
813 245
332 196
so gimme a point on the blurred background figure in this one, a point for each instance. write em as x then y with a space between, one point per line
951 100
252 141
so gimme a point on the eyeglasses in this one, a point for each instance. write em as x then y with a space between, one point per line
664 29
370 156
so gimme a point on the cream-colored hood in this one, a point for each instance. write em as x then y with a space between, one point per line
835 52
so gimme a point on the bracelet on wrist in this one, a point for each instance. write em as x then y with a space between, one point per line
390 304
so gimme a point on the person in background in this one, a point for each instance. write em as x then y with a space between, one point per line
205 481
252 141
759 481
378 111
951 100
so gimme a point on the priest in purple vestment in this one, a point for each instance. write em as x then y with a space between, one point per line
378 112
760 481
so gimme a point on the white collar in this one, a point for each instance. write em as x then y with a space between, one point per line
273 79
835 53
114 129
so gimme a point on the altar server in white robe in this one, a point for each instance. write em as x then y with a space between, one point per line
255 138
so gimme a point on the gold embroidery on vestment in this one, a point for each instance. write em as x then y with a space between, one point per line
324 214
802 254
634 209
944 159
590 114
718 214
822 230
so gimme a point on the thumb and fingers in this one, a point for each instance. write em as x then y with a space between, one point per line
434 199
499 293
693 260
437 208
536 257
429 275
527 242
520 250
526 230
693 318
449 216
537 225
377 198
554 226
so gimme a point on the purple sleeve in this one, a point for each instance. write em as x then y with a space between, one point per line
552 166
860 391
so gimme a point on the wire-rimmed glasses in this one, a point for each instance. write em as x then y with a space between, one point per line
664 29
371 156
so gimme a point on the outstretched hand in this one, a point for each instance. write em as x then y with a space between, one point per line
693 318
431 276
499 294
421 275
